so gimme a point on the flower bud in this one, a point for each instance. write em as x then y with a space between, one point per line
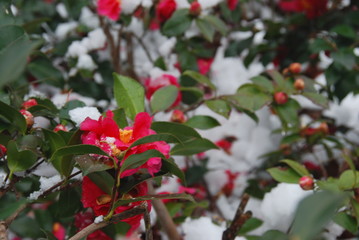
195 9
306 183
178 116
29 103
2 150
323 127
280 98
299 84
28 117
60 127
295 68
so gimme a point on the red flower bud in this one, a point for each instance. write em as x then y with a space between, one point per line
299 84
60 127
28 117
195 9
232 4
306 183
29 103
2 150
280 98
178 116
295 68
165 9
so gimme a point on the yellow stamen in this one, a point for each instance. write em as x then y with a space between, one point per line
125 135
103 199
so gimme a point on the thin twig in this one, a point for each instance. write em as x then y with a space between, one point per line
111 42
147 219
163 216
139 40
115 218
239 219
3 231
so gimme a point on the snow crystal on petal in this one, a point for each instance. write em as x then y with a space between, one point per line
78 115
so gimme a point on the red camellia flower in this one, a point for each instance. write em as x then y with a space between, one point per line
232 4
59 231
29 103
227 189
165 9
152 85
204 65
109 8
195 8
82 220
28 117
60 127
95 198
115 141
311 8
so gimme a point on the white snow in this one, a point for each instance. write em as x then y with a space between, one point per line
78 115
45 184
63 29
209 3
85 62
128 6
61 10
98 219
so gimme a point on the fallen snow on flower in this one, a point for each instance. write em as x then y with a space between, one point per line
78 115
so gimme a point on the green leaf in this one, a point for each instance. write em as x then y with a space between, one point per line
288 112
314 212
281 84
64 111
206 29
13 116
129 95
263 82
320 45
345 31
316 98
103 180
181 196
344 57
170 166
331 184
200 78
219 106
163 98
169 138
181 131
193 147
90 164
136 160
53 140
300 169
273 235
191 95
250 225
120 117
349 179
11 208
62 159
26 226
355 206
286 175
15 47
19 160
43 70
250 97
202 122
179 22
217 23
346 221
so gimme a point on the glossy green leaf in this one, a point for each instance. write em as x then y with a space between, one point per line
193 147
136 160
53 140
44 71
316 98
19 160
181 131
219 106
281 84
346 221
13 116
169 138
345 31
11 208
181 196
103 180
288 112
206 29
250 225
286 175
217 23
273 235
179 22
349 179
129 95
170 166
250 97
202 122
314 212
345 58
163 98
263 82
300 169
90 164
199 78
120 117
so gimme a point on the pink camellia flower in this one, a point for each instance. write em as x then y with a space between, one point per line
93 197
115 141
82 220
59 231
165 9
152 85
204 65
232 4
312 9
60 127
109 8
29 103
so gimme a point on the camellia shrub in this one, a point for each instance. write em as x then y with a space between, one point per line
179 119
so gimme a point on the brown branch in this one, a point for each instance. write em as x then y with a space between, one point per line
130 57
3 231
115 218
239 219
163 216
147 219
